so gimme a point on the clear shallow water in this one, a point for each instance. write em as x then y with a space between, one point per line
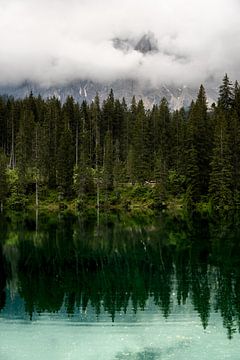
143 336
131 289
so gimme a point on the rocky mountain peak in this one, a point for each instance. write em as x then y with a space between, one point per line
147 43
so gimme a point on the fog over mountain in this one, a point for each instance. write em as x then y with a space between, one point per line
80 47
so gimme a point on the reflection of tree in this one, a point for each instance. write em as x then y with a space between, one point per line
225 302
225 233
161 288
182 275
237 297
3 236
2 281
123 262
201 293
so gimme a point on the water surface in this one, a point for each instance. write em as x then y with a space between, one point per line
123 288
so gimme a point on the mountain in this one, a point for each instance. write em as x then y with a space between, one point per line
145 44
80 90
177 97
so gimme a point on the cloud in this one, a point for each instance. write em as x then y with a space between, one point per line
58 41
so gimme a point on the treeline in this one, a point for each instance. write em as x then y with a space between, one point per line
84 149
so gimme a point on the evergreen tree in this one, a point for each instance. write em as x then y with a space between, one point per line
119 173
44 141
141 145
3 179
52 129
198 148
25 146
163 145
226 95
177 175
96 118
234 132
108 163
221 176
108 116
65 163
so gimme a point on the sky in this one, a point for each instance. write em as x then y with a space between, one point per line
57 41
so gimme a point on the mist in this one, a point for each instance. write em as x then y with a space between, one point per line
56 42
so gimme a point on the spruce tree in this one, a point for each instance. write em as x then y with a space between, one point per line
237 99
163 145
65 162
3 179
198 148
141 145
25 141
108 116
226 95
177 175
108 163
203 139
221 176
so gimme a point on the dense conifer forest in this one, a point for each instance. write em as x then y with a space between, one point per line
94 151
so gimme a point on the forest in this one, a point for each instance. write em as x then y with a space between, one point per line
110 153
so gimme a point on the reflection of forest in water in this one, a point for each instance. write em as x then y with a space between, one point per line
73 261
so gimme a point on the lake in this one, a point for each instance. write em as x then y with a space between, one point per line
119 287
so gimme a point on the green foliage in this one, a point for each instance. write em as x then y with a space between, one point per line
108 163
83 183
16 199
226 95
176 183
221 177
95 149
3 178
65 161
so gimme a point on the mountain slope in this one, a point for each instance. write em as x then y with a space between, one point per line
87 90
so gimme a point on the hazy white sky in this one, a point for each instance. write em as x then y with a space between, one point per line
55 41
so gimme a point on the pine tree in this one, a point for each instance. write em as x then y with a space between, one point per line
237 99
25 141
234 132
226 96
96 119
203 139
120 130
83 179
198 140
52 129
65 162
108 163
141 145
163 145
221 176
108 116
3 179
177 175
119 171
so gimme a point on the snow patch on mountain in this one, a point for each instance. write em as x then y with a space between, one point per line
177 97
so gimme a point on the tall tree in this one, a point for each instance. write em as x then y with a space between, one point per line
198 147
221 176
141 145
65 162
226 95
163 144
108 163
3 179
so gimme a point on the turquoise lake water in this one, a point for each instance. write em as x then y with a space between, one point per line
125 288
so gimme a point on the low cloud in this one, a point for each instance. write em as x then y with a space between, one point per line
58 41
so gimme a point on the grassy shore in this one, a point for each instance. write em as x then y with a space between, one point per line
126 198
